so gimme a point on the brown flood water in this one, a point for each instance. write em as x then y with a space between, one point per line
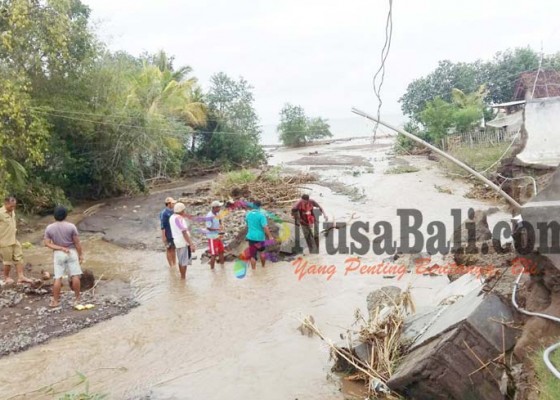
216 336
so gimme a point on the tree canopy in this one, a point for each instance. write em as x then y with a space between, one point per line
497 75
79 121
296 128
456 96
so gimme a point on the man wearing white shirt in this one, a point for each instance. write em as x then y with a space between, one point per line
181 238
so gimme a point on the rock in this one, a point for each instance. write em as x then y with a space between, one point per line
475 229
87 280
358 349
442 360
386 296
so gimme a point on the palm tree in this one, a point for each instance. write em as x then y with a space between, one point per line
465 100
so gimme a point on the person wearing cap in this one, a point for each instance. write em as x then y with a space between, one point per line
166 236
303 213
181 238
257 233
215 233
62 237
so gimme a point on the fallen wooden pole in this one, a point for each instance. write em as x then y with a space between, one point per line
477 175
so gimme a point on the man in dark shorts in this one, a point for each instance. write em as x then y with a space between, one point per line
257 233
166 236
303 213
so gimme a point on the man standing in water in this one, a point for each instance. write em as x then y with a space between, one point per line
215 230
257 232
166 236
303 213
10 248
62 237
181 238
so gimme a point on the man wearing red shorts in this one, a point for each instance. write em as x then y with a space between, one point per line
214 235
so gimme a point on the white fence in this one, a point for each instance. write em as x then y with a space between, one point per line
490 137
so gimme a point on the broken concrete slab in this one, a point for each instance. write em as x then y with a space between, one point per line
417 323
481 312
458 288
449 343
446 369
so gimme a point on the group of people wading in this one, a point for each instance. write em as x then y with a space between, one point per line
180 247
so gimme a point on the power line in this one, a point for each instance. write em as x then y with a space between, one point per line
145 128
381 70
122 115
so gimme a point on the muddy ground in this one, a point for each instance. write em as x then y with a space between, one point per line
27 320
186 336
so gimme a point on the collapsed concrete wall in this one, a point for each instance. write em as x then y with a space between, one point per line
451 358
544 209
542 125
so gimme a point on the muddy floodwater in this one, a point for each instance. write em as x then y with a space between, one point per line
219 337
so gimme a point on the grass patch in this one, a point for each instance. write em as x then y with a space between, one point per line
240 177
479 157
84 396
548 385
402 169
273 175
442 189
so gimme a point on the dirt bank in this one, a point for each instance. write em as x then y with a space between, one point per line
27 320
133 223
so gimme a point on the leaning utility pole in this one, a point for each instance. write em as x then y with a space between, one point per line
477 175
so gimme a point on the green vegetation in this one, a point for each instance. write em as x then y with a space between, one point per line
84 396
296 129
80 121
479 157
403 169
548 385
455 96
462 114
240 177
442 189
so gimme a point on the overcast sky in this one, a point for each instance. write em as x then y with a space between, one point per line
322 54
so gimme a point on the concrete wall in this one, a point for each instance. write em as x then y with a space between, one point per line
542 123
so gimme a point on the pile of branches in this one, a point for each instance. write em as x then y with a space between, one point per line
381 335
271 189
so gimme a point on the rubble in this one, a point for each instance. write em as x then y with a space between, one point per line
26 320
445 360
